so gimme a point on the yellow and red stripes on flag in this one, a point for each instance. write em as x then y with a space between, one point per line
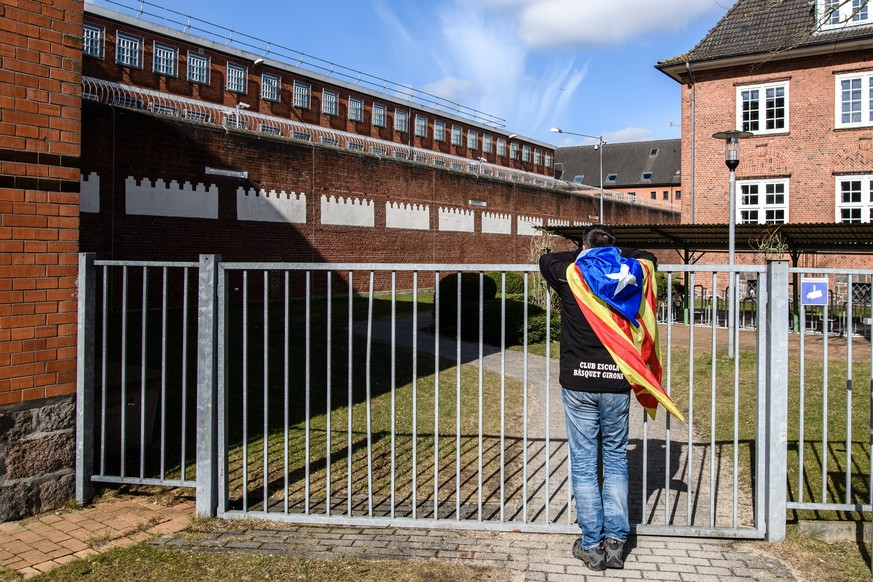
635 350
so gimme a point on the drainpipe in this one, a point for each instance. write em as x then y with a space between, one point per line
689 292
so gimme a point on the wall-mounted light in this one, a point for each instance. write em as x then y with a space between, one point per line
209 171
259 61
476 202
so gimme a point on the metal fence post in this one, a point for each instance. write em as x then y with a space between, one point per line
776 411
207 433
85 379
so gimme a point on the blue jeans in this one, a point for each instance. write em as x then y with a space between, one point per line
600 513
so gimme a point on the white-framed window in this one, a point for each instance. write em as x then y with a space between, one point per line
198 68
165 59
525 154
401 120
841 13
128 50
236 78
420 126
92 41
301 95
355 146
854 201
356 109
456 136
195 115
379 115
472 139
513 151
329 102
378 150
538 158
487 140
439 130
762 201
331 141
501 146
270 129
270 84
763 108
854 99
548 159
301 135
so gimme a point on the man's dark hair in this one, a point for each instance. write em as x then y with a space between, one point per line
598 235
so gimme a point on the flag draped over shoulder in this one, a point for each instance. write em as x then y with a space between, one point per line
618 297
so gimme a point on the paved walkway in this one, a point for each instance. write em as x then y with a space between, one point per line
41 543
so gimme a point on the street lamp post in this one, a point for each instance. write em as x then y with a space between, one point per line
599 147
732 160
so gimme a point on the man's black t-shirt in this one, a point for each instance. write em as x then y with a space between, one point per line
586 365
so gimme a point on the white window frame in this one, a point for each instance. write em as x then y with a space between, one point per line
835 14
864 204
548 159
501 147
439 130
380 113
240 75
513 151
270 87
472 139
401 120
487 142
525 153
329 102
302 95
457 136
132 54
763 109
420 125
865 100
762 206
93 37
538 158
163 65
206 68
356 109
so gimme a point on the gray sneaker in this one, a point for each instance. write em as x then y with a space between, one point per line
594 558
614 551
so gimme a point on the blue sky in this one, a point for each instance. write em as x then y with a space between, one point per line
586 66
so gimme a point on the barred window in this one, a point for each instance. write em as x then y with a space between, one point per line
439 131
270 87
420 126
164 59
92 41
301 95
329 102
198 68
456 136
501 147
472 139
236 78
128 50
378 115
356 109
486 143
401 120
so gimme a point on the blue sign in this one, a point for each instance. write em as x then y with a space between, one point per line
814 291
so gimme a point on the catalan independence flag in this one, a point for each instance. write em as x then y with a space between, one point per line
618 297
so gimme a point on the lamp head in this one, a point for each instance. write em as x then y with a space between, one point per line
242 105
556 130
259 60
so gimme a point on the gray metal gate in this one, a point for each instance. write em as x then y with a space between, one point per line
332 393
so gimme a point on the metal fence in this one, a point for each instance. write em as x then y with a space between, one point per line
420 395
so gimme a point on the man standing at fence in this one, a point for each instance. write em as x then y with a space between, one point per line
609 345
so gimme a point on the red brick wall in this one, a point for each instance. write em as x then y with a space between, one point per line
40 87
119 143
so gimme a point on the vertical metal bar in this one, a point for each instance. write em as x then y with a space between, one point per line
502 395
736 459
712 389
221 401
414 394
436 397
184 378
307 405
245 392
669 371
142 371
286 400
163 444
777 398
547 403
524 407
123 370
350 397
643 500
801 442
104 358
266 386
850 326
824 407
208 401
481 355
369 394
458 399
870 441
85 379
690 435
393 385
328 381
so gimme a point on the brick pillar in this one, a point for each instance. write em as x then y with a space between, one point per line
40 112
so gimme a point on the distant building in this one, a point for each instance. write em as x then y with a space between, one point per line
646 170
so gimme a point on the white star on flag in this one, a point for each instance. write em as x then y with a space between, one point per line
624 278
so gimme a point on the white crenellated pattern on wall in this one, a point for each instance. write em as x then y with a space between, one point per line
159 199
347 211
494 223
264 206
456 220
89 193
409 216
527 225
